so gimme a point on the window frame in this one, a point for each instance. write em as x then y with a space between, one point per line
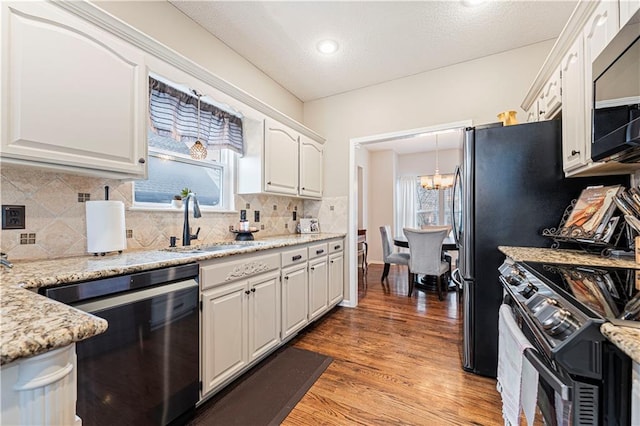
227 164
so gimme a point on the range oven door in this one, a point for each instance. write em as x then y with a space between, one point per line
561 398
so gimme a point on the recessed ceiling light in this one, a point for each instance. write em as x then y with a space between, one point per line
471 3
327 46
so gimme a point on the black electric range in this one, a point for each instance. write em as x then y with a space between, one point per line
560 309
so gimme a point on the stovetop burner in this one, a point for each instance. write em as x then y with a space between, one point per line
606 293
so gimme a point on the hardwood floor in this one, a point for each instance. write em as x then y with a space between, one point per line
396 360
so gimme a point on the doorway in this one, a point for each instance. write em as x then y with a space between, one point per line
363 201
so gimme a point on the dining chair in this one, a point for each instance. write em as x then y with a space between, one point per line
388 255
425 249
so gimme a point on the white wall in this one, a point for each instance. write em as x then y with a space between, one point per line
424 163
163 22
381 196
476 90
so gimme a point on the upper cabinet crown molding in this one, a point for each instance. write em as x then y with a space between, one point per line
108 22
570 32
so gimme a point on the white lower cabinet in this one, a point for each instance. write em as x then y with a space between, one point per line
294 299
336 278
41 390
240 315
635 395
264 314
318 280
224 333
253 303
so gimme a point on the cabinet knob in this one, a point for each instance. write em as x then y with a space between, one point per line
247 292
269 183
574 152
541 112
253 290
286 277
312 268
141 160
303 188
331 261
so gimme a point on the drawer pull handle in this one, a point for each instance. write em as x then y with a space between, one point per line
296 257
312 268
286 277
574 152
336 247
320 251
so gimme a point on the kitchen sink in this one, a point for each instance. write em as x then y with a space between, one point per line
214 247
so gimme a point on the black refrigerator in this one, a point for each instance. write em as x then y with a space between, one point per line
510 187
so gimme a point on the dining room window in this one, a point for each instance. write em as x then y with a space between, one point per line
433 206
417 206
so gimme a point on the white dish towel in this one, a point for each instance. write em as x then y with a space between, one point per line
511 344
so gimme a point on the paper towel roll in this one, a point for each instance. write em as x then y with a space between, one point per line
105 226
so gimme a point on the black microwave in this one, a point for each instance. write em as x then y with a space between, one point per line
616 98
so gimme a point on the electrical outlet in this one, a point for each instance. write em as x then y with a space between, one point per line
295 215
243 215
13 217
256 216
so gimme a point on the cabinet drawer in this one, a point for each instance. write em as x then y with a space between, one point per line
232 270
317 250
291 257
336 246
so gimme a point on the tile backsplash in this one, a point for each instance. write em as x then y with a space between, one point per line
55 215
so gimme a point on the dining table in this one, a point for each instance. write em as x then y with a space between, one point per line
449 244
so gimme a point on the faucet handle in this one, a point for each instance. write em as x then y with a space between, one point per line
195 236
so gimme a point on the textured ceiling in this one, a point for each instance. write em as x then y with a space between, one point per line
379 41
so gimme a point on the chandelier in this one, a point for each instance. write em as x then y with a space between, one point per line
198 151
436 181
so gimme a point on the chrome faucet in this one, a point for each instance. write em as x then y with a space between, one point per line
186 230
4 261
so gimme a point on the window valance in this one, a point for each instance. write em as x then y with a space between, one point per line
174 113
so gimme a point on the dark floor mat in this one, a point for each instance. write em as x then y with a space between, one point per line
267 393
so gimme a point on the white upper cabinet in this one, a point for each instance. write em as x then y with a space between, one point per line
550 100
592 26
280 158
573 119
627 9
311 166
73 95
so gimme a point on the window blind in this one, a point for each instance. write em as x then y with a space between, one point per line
174 113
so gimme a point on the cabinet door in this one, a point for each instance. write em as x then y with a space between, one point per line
318 287
573 119
602 26
532 113
336 277
635 394
311 166
294 299
74 95
224 333
627 9
264 314
551 98
280 158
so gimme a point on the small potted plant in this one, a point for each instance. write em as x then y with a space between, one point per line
176 203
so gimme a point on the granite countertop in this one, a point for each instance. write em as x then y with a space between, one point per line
625 338
24 329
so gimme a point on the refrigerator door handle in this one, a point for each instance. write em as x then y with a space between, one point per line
456 229
467 326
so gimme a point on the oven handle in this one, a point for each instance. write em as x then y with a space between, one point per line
556 382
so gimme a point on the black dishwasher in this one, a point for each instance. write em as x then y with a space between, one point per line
144 369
